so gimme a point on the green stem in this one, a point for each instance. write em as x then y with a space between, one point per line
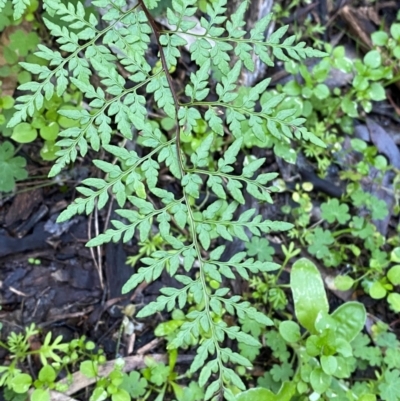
187 201
170 83
340 232
392 81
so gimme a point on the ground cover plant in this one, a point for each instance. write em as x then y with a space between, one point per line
103 86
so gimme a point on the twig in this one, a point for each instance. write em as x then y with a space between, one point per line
151 345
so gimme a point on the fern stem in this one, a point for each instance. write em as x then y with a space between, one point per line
182 170
170 83
204 286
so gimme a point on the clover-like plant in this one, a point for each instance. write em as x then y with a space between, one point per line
12 167
118 55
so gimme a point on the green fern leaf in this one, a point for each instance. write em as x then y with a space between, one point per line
130 88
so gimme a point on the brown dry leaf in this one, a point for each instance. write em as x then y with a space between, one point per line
9 84
370 13
359 25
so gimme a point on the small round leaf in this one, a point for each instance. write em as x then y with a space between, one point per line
377 290
325 322
121 395
395 31
396 52
7 102
290 331
394 301
380 162
49 132
379 38
47 374
321 91
343 283
394 275
343 369
395 255
166 328
21 383
99 394
49 150
329 364
376 92
39 122
373 59
40 394
349 107
343 347
23 77
88 368
24 133
320 381
292 88
351 318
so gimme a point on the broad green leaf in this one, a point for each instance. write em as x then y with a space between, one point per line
285 393
308 293
351 318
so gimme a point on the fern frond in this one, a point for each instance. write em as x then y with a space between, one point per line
18 5
120 57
